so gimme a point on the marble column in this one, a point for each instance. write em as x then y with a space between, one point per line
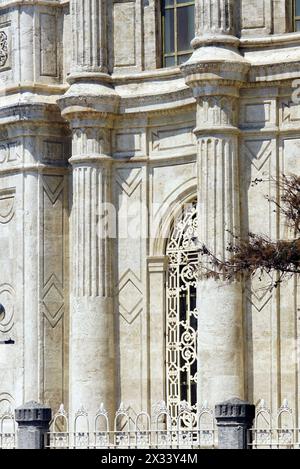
215 17
89 106
215 73
89 35
92 322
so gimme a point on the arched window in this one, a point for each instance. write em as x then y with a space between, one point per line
181 312
178 25
296 15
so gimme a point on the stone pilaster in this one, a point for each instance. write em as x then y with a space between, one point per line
157 267
215 73
89 35
33 248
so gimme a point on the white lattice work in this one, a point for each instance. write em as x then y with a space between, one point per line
7 430
132 431
182 318
275 431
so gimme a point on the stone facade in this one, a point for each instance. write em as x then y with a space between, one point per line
88 117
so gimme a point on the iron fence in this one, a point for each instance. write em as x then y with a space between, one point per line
156 431
8 434
277 431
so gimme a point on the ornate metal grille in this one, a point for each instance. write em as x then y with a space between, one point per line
182 317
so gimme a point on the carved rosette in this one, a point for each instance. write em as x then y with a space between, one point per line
3 48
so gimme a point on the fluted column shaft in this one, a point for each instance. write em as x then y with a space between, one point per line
220 346
89 35
92 314
215 17
215 73
89 106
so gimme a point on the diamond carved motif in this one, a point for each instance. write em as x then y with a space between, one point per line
53 302
259 295
130 297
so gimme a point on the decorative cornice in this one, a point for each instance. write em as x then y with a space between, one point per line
31 114
274 71
88 97
91 160
25 3
273 41
217 64
215 130
213 39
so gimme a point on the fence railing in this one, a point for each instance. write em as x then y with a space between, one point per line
275 431
189 430
157 430
8 434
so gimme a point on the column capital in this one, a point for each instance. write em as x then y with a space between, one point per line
88 99
216 59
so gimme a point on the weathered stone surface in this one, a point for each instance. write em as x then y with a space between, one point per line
33 424
234 419
92 118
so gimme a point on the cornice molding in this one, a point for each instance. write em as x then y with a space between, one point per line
19 3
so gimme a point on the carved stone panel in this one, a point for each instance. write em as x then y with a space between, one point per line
130 193
256 17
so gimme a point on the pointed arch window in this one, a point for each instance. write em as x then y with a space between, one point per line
178 26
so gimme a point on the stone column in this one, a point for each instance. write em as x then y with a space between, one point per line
92 324
215 17
215 73
89 106
89 35
33 425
